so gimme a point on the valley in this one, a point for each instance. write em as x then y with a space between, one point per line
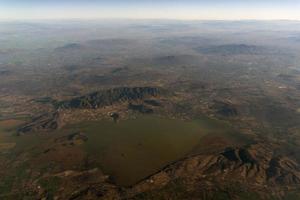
150 110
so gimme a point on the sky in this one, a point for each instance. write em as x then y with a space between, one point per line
151 9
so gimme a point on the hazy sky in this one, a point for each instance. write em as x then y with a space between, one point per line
150 9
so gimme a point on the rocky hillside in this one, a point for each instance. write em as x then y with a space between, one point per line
100 99
109 97
236 173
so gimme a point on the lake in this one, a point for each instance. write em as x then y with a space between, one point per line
133 149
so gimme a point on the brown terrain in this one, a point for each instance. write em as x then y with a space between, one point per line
150 111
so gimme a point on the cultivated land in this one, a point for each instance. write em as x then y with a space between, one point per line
150 110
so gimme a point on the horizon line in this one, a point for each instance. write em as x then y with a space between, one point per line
139 19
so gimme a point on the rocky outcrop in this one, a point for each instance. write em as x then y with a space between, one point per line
152 102
140 108
43 123
76 138
224 109
283 170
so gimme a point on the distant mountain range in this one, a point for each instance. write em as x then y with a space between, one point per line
68 47
236 49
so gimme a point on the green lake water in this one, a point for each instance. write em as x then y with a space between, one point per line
133 149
